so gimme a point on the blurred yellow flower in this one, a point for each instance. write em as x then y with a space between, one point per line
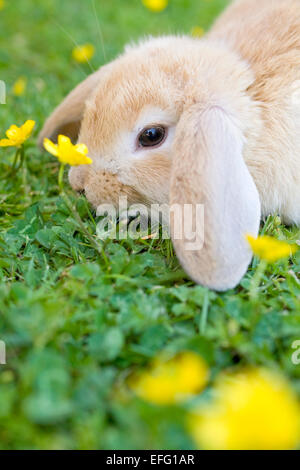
2 4
16 136
270 249
83 53
19 87
68 153
197 31
254 410
169 381
156 5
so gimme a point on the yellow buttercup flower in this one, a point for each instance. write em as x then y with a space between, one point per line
68 153
83 53
254 410
197 31
156 5
270 249
16 136
19 86
170 381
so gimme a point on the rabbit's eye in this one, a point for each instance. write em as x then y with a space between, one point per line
152 137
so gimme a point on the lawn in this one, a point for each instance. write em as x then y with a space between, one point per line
79 321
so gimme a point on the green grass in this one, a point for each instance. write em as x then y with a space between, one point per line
76 326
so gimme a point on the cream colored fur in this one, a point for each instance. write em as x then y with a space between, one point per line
230 98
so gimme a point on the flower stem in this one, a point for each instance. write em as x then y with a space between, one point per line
256 280
61 177
15 160
22 157
204 313
18 160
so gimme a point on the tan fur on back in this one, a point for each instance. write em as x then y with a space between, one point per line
267 34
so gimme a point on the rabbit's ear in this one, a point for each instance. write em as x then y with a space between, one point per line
216 196
66 118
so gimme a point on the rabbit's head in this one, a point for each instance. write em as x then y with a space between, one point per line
166 122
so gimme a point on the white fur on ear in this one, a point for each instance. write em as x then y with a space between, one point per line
209 169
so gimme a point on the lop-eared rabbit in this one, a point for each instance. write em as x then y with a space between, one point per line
214 122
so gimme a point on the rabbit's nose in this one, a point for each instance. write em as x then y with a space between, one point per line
78 176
